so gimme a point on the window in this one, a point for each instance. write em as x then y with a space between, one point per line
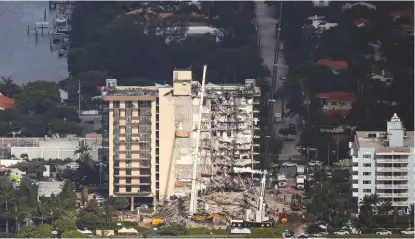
116 171
157 135
157 177
116 189
367 156
157 159
342 103
128 189
128 180
116 104
128 171
157 143
366 165
371 135
367 173
157 117
157 185
129 104
366 182
157 151
367 190
128 163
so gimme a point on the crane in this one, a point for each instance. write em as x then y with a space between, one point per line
193 195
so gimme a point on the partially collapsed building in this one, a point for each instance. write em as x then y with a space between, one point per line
152 135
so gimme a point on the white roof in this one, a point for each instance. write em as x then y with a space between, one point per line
46 189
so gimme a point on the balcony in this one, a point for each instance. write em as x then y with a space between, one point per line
395 204
355 194
355 168
355 159
392 160
392 178
391 169
392 195
141 193
355 185
355 177
391 186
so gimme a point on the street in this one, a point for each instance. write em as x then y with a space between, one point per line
268 40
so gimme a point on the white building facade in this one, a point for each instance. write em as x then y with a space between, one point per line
383 163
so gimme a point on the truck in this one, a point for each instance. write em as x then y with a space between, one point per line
278 117
300 182
281 181
300 169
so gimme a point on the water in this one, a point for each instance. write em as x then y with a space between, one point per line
21 57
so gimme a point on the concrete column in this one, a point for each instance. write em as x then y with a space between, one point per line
132 203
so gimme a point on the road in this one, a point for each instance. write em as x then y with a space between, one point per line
267 34
268 41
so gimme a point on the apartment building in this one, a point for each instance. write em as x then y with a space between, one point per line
383 163
152 134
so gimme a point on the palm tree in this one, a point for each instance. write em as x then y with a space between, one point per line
7 196
8 87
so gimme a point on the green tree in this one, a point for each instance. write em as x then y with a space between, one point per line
73 234
38 97
64 225
7 197
112 205
8 87
91 221
174 229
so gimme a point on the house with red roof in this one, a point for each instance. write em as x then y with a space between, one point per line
407 16
361 22
6 103
334 65
336 102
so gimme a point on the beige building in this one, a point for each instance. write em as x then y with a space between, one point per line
152 135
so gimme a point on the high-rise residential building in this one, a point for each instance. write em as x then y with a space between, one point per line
152 134
383 163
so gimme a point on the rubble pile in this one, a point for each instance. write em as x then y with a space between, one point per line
173 210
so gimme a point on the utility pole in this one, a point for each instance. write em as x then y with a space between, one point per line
79 98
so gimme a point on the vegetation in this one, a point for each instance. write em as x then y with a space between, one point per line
302 50
38 111
140 56
21 213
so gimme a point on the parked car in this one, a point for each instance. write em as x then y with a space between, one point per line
384 233
315 163
408 231
288 164
320 234
342 232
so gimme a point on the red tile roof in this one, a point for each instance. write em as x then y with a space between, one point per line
337 95
357 22
402 13
335 65
6 103
407 27
343 113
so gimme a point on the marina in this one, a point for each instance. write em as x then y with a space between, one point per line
58 30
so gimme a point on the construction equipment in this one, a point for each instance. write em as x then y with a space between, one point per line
296 202
157 221
193 195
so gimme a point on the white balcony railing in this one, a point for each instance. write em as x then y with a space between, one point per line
392 178
390 186
355 159
392 160
355 185
391 169
355 169
355 177
400 204
391 195
355 194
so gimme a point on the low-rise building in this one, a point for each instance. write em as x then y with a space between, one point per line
336 102
46 189
383 163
